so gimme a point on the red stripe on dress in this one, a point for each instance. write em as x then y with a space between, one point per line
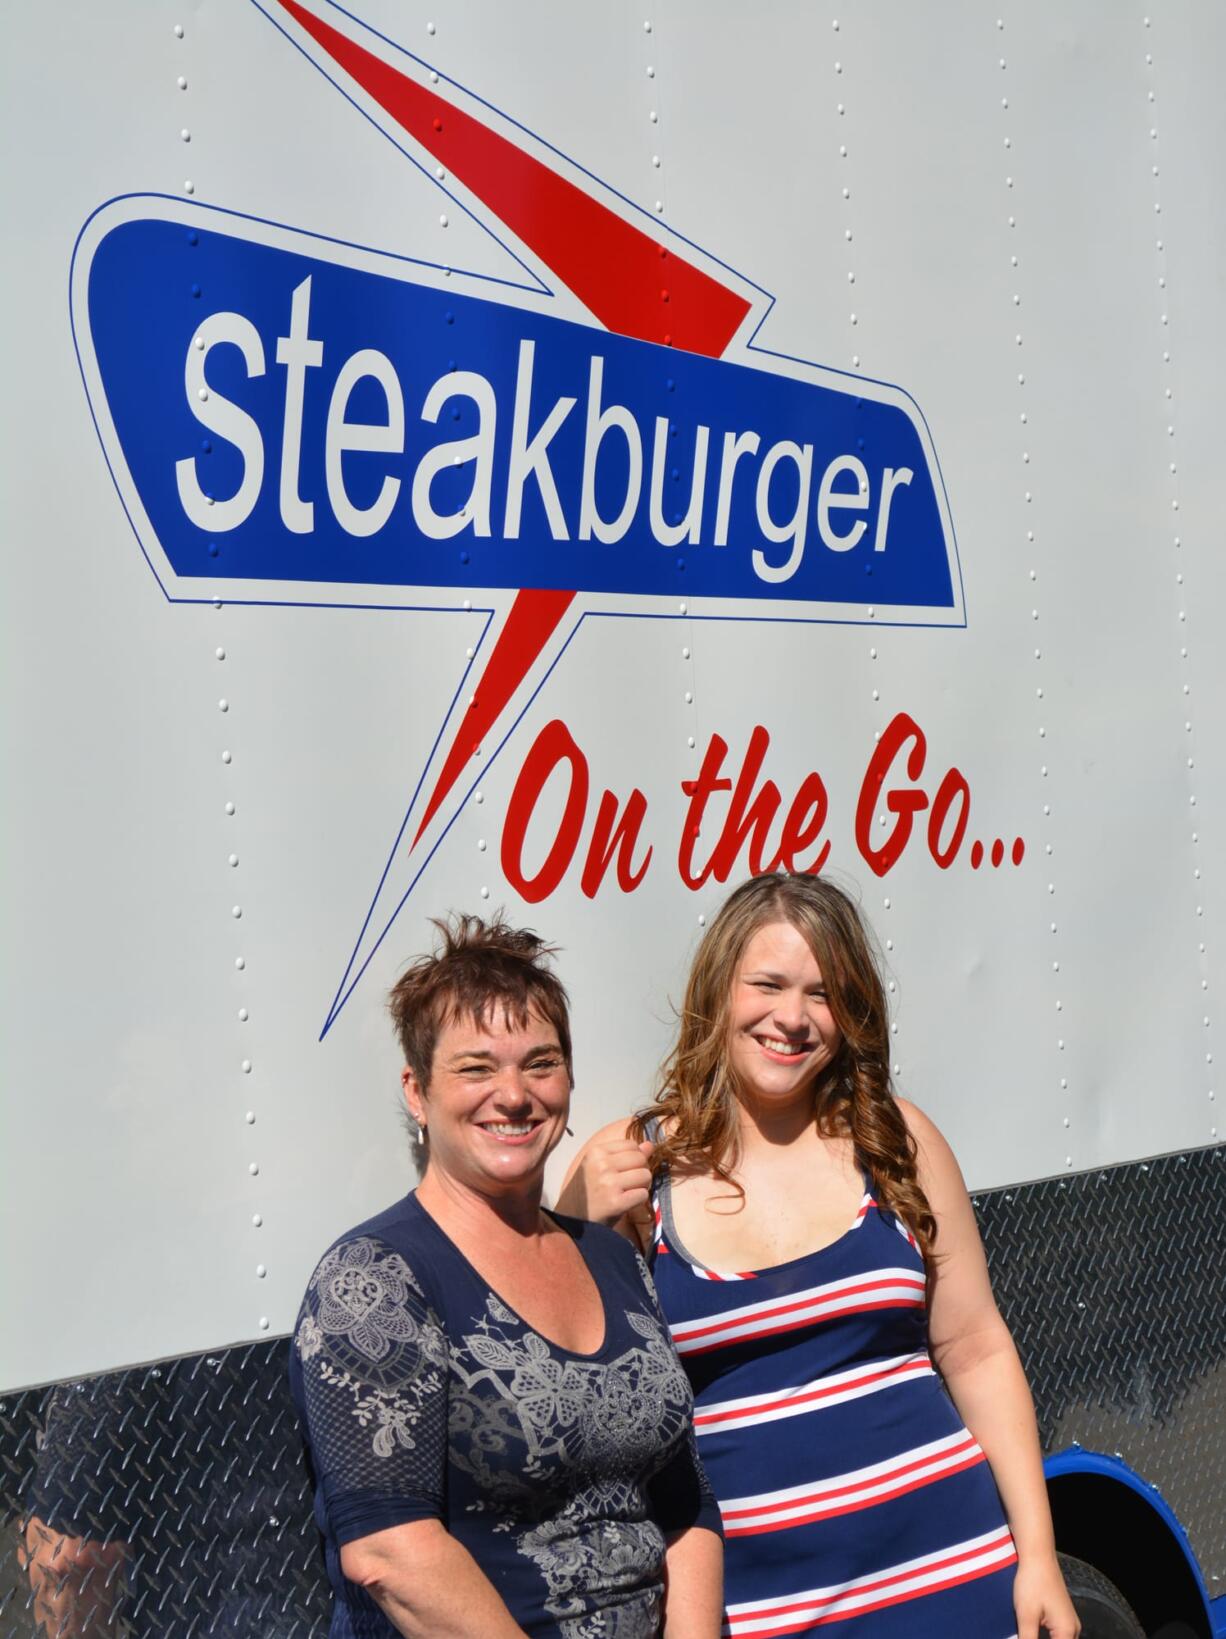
877 1605
818 1298
812 1607
811 1319
820 1512
702 1419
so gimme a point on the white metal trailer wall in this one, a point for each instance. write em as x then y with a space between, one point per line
1015 219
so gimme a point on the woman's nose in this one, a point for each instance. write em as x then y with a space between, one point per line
790 1012
512 1091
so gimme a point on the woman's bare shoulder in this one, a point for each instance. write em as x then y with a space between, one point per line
939 1172
612 1132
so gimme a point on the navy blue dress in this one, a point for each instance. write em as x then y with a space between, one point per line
424 1396
856 1505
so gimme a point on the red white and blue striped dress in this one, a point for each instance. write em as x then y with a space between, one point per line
855 1502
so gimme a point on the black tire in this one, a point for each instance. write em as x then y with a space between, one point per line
1104 1612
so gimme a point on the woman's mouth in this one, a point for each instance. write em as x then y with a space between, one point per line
510 1132
781 1050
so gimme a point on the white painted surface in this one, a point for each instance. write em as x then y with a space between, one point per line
127 1189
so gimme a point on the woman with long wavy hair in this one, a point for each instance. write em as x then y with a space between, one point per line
859 1405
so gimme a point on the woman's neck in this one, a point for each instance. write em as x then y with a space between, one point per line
467 1213
770 1124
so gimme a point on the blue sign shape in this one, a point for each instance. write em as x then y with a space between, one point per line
286 417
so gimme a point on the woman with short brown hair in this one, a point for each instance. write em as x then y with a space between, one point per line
499 1426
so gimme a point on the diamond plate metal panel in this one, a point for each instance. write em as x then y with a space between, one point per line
172 1500
1114 1284
167 1500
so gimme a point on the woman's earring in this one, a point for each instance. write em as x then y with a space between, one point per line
421 1135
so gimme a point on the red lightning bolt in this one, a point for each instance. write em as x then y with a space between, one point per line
631 283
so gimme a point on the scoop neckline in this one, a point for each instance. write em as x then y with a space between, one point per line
677 1245
563 1224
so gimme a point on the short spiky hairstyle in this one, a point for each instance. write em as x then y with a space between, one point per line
477 970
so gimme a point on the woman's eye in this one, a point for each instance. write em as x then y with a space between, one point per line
545 1066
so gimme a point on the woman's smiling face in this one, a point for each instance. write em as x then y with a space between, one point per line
780 1027
497 1103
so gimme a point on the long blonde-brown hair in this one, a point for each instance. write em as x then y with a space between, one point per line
695 1106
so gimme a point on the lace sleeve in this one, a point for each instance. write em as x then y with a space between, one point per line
373 1358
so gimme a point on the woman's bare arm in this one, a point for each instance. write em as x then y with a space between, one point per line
974 1353
694 1585
427 1584
609 1182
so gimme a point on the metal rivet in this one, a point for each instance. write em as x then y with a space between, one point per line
233 859
481 846
485 893
263 1323
236 911
226 757
246 1067
178 31
185 135
260 1270
430 28
243 1015
254 1169
240 962
256 1219
702 921
189 187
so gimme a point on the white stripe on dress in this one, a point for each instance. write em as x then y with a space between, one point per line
882 1289
913 1579
832 1390
847 1493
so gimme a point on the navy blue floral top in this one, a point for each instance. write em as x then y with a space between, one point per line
423 1396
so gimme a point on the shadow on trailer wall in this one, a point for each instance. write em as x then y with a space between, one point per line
172 1500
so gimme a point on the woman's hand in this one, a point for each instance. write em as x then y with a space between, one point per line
609 1179
1041 1600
